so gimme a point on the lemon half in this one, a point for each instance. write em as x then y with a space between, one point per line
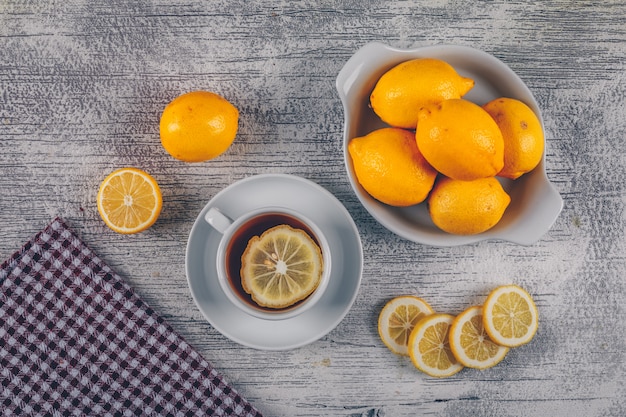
129 200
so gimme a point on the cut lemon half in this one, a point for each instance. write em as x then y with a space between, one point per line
129 200
470 343
510 316
281 267
429 346
398 318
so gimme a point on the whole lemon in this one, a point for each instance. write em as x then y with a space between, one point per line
522 133
198 126
460 140
404 89
467 207
390 168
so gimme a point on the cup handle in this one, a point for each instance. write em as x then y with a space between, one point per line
217 220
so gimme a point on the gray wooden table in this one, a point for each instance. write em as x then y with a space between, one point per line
82 86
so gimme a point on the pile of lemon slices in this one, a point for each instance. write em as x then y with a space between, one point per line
440 345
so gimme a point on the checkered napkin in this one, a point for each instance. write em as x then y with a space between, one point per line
75 339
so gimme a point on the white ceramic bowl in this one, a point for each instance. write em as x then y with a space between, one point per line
535 203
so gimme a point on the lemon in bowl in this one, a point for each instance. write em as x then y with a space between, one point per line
535 203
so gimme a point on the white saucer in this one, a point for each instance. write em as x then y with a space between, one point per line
314 202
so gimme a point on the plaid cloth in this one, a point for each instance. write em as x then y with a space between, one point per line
75 339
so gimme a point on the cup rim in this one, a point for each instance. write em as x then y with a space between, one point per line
280 314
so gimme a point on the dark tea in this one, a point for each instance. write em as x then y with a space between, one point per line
239 241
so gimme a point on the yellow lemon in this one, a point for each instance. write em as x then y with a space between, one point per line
471 344
390 167
404 89
460 140
398 318
129 200
467 207
281 267
198 126
522 133
429 346
510 316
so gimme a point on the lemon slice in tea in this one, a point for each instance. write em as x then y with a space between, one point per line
281 267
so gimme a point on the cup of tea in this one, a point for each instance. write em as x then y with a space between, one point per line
237 236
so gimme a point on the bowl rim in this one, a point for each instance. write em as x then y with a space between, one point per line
365 66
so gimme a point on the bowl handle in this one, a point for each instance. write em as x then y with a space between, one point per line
356 65
546 206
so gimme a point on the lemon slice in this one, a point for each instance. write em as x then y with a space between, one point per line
129 200
510 316
429 346
398 318
281 267
470 343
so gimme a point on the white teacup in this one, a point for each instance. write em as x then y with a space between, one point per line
235 236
